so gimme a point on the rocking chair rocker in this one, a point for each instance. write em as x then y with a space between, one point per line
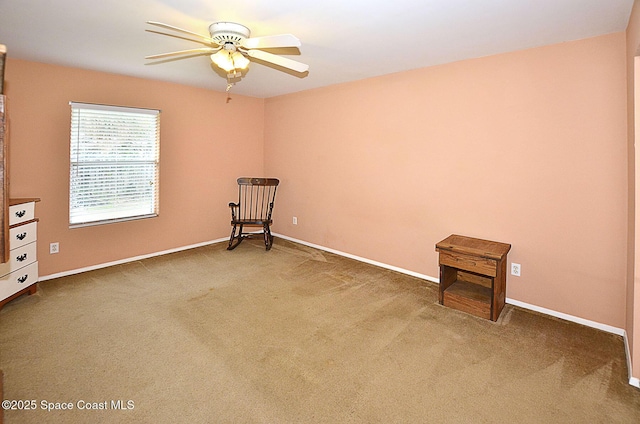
255 204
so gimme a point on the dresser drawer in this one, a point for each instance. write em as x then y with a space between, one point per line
18 280
19 258
22 212
23 234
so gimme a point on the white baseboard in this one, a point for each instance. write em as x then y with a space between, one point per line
127 260
632 380
567 317
361 259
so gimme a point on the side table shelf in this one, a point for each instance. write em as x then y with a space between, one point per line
19 275
473 275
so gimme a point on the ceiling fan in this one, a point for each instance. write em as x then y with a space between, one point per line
231 47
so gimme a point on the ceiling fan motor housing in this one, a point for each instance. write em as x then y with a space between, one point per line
228 32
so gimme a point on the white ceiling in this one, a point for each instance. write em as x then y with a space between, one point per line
342 40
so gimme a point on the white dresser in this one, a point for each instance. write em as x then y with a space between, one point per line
20 274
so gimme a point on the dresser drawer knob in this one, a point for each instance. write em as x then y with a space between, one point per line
21 236
21 257
21 213
23 278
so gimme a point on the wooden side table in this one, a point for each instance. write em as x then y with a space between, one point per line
473 275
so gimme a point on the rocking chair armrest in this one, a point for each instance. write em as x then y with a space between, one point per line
234 207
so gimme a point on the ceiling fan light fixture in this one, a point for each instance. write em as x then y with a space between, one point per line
223 60
229 60
239 61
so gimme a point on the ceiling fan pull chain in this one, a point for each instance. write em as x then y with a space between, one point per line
229 85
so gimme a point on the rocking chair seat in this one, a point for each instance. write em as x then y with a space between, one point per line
255 205
250 222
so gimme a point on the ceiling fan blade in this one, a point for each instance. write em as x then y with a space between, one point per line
203 50
278 60
186 31
271 41
181 37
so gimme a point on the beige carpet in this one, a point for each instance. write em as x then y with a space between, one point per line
295 335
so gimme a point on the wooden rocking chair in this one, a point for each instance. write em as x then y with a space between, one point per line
254 207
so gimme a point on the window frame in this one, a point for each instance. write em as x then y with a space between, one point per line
110 161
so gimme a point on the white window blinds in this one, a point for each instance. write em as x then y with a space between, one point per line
114 163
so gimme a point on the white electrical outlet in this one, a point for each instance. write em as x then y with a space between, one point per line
54 248
515 269
295 220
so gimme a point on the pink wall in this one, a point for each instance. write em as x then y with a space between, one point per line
633 273
528 148
202 137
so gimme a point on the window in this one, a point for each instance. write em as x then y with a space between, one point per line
115 154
